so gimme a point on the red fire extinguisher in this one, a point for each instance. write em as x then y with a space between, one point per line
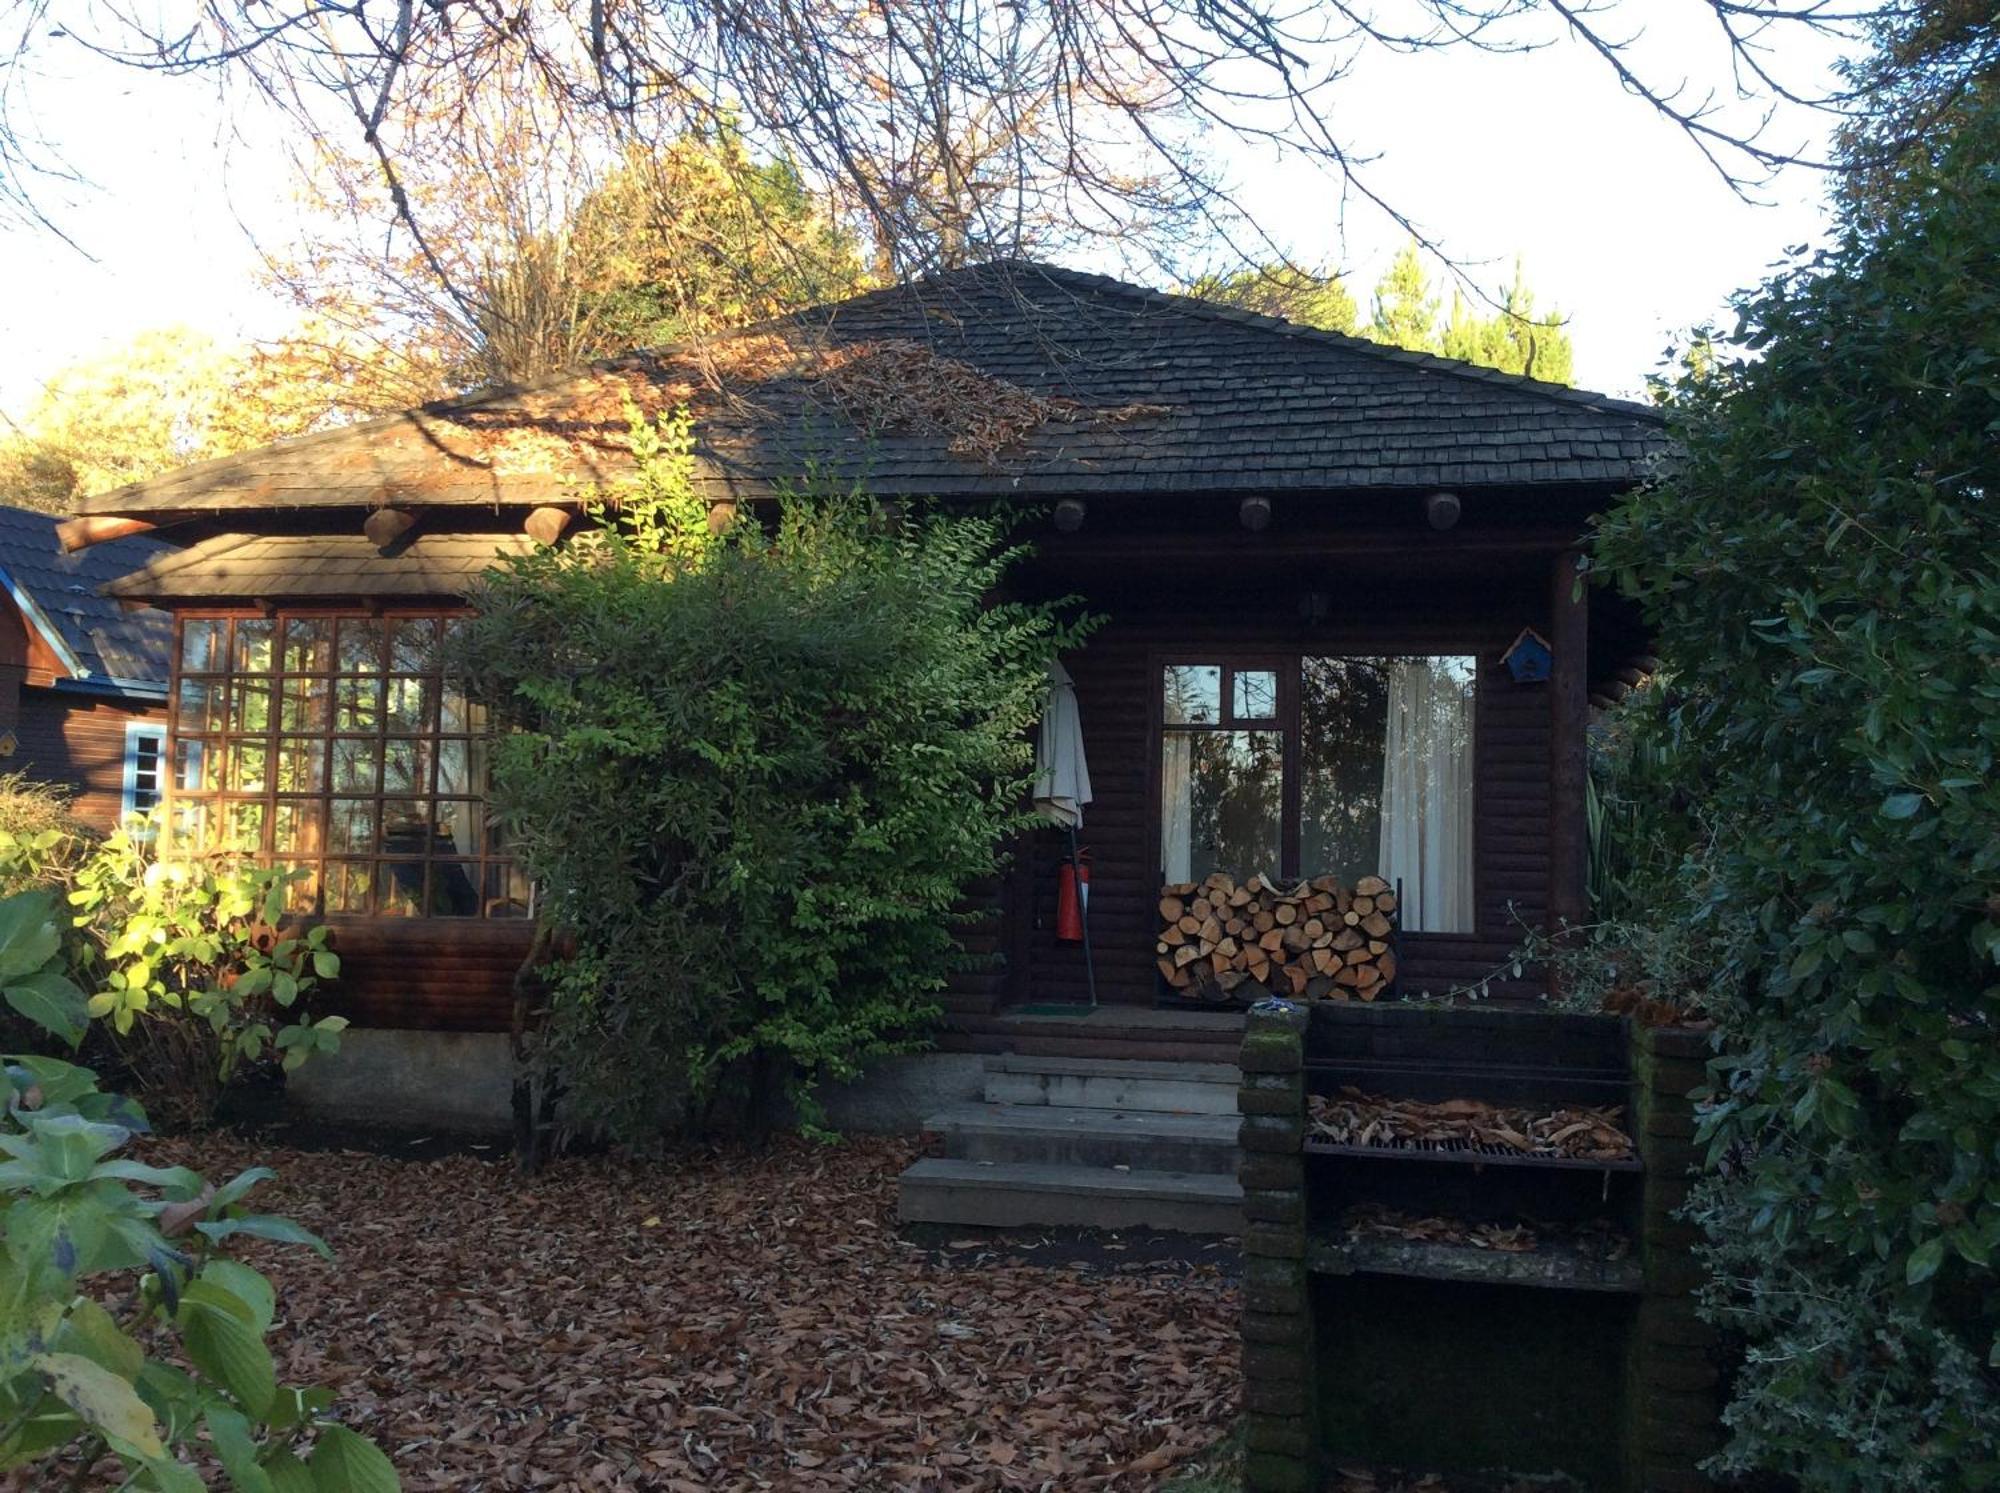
1072 896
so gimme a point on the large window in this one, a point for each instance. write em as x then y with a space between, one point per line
1310 766
331 743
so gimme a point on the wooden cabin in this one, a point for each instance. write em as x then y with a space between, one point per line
83 681
1314 555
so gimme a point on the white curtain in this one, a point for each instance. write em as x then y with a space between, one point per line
1427 793
1176 802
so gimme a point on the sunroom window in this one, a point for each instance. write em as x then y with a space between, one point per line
1316 765
332 743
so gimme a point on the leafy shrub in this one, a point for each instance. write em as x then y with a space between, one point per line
752 774
41 840
193 974
80 1227
1820 570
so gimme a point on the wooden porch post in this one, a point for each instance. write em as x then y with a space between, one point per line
1569 720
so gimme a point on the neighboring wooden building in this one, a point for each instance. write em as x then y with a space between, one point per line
83 681
1314 554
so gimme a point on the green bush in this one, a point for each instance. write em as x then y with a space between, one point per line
752 773
1821 571
80 1227
192 972
41 840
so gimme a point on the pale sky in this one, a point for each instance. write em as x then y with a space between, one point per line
1618 218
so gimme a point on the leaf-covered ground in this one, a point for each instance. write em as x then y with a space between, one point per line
723 1323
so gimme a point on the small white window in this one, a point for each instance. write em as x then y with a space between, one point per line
145 758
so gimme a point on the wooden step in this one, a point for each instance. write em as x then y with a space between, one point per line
1056 1135
1112 1083
989 1194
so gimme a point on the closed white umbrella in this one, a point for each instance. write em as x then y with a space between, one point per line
1062 776
1062 787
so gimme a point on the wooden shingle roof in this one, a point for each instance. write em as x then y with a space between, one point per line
1129 391
107 646
304 566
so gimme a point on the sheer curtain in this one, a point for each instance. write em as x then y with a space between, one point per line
1176 805
1427 792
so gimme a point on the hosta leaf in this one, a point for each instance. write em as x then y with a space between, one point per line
107 1402
51 1002
220 1333
236 1450
344 1462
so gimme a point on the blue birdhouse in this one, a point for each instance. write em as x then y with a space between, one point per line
1528 658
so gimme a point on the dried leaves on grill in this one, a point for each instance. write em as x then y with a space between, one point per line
1355 1118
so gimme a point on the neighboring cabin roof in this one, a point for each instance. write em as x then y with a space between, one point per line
1154 394
103 646
305 566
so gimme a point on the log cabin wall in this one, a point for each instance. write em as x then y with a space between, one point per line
81 742
1117 681
428 974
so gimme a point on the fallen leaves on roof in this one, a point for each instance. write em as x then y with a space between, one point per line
719 1323
1356 1118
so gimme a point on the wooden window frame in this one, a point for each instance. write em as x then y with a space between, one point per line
497 894
1289 664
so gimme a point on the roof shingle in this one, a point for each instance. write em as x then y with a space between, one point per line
1157 393
110 646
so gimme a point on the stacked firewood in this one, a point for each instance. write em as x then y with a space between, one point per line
1318 940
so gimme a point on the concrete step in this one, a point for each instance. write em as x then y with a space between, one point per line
1139 1139
1112 1083
998 1194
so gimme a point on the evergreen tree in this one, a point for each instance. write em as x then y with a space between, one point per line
1405 309
1310 298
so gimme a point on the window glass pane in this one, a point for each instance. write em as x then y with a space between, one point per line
459 716
249 766
197 766
1193 694
406 766
301 764
188 822
309 645
506 892
254 637
201 645
350 826
361 644
413 645
250 706
245 827
461 766
406 828
412 706
1387 749
302 892
357 705
399 889
457 831
1343 713
356 765
201 705
295 827
1220 803
454 889
347 885
303 707
1253 695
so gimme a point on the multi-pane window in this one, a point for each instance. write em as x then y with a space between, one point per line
1309 766
332 743
145 752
